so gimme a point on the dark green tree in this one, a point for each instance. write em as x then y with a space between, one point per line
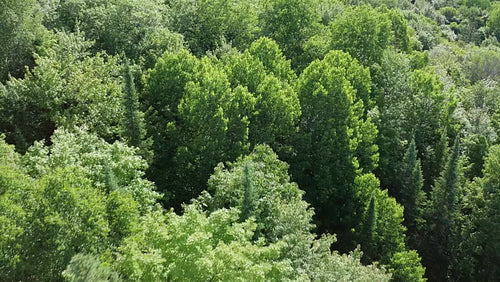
411 194
335 139
134 130
477 251
290 23
381 233
21 32
247 206
392 95
212 127
429 115
441 215
363 32
133 122
480 107
110 180
205 111
493 22
268 76
369 225
206 25
138 29
67 88
164 89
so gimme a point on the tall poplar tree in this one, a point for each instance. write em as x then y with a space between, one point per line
335 140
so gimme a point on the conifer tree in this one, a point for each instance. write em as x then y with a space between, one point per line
441 216
411 195
369 226
476 251
134 119
110 180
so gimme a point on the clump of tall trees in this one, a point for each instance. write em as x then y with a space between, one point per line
249 140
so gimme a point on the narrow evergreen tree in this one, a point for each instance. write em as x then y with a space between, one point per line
20 141
441 216
110 180
247 205
411 195
369 225
134 119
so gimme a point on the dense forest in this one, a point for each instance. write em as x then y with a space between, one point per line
249 140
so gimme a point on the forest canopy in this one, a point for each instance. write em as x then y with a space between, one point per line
269 140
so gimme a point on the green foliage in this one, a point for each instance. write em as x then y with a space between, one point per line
363 32
484 4
275 243
400 37
21 31
136 28
480 105
493 22
407 267
56 203
441 215
472 24
476 249
334 135
248 203
67 88
95 158
369 224
210 110
12 214
164 89
410 104
451 13
425 32
392 95
215 120
277 204
197 246
200 90
207 25
382 234
447 60
482 64
88 268
123 214
430 110
269 54
268 76
61 214
133 123
387 236
279 21
411 195
110 180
